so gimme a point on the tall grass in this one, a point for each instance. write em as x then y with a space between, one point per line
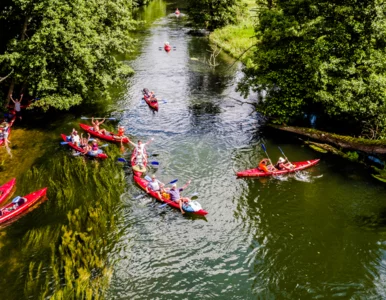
67 255
236 39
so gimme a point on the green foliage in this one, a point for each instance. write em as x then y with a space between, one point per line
324 56
212 14
65 49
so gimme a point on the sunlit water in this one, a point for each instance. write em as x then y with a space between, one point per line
316 234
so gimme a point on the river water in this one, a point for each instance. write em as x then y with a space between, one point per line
318 234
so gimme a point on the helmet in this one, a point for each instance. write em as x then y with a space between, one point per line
281 160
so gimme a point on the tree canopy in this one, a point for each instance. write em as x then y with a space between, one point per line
62 51
326 57
212 14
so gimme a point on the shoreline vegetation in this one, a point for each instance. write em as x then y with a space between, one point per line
261 24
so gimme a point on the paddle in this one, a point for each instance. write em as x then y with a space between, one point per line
191 197
265 150
66 143
148 178
86 118
154 163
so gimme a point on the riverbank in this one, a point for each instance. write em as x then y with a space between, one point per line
238 40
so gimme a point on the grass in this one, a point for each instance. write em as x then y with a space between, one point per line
236 39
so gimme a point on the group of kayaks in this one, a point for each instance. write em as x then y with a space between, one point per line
19 205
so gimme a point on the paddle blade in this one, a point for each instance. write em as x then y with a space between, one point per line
264 149
64 143
163 205
103 146
155 163
113 119
121 159
195 194
173 181
164 101
147 178
84 118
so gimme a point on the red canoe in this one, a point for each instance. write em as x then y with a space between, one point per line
100 155
8 212
153 105
167 48
301 165
137 173
143 183
111 137
6 189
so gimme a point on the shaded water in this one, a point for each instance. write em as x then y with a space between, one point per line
317 235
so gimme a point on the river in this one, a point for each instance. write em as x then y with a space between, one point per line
318 234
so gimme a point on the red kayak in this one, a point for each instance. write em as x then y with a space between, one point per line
143 183
301 165
111 137
66 139
152 104
6 189
12 210
137 171
167 48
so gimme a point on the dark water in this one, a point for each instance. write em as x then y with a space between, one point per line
320 234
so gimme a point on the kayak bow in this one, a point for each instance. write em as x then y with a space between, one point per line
6 189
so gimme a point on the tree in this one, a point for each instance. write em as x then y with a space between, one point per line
212 14
327 57
62 51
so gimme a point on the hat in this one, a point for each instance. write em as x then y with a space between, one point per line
174 185
153 176
281 159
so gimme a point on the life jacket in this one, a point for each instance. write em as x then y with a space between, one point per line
94 147
121 131
263 167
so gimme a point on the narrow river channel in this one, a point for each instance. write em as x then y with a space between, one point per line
320 234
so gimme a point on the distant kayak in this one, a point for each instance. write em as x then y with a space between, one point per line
301 165
167 48
143 184
152 104
6 189
9 212
111 137
72 145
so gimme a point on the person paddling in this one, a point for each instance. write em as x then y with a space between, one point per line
96 125
75 138
176 197
155 186
17 106
265 166
283 164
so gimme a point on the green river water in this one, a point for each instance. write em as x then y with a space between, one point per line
318 235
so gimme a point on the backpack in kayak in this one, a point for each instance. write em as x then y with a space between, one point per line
192 206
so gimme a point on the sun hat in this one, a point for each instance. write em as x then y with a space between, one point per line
281 159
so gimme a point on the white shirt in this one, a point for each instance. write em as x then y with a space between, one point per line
154 185
17 106
75 139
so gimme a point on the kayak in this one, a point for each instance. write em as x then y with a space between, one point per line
6 189
137 171
143 184
9 212
153 105
111 137
301 165
167 48
72 145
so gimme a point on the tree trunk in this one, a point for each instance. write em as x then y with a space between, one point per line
344 142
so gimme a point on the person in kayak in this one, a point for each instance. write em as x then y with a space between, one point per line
154 185
84 141
175 196
265 166
75 138
96 125
120 135
177 11
5 127
140 152
284 164
94 149
17 106
153 97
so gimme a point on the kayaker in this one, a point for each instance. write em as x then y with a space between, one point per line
75 138
177 11
263 166
176 197
5 128
140 151
94 149
121 134
154 185
96 125
283 164
17 106
146 92
152 97
84 141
